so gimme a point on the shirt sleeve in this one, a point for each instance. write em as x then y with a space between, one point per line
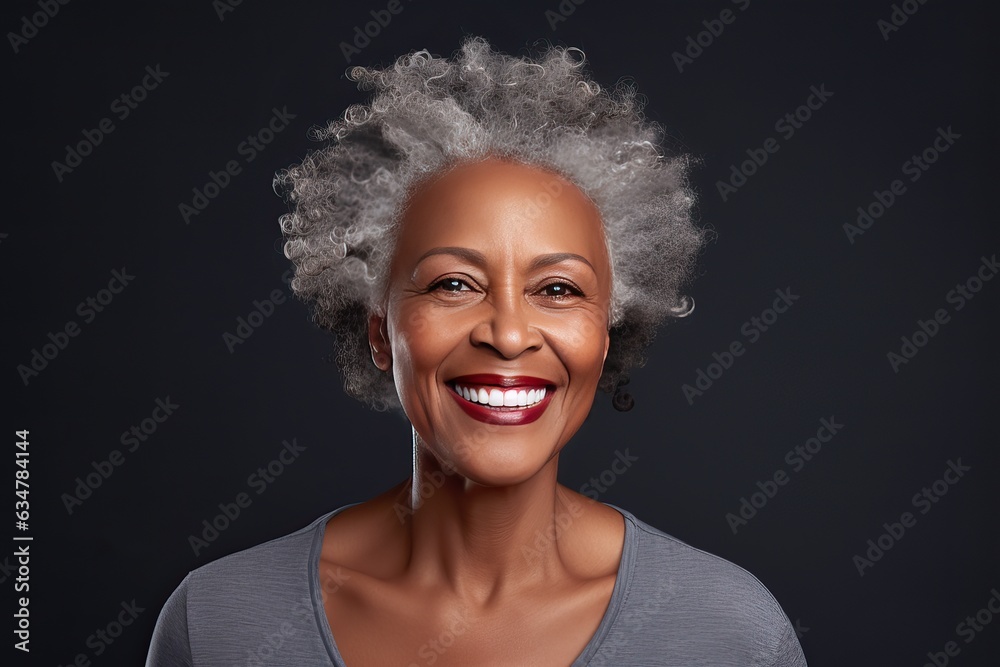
788 652
170 646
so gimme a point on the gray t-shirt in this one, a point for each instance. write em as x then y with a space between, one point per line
672 605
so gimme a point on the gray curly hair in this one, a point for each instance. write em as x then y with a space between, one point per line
430 113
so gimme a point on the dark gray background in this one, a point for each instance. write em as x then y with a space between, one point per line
826 357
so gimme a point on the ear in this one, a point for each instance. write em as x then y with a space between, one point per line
607 344
378 340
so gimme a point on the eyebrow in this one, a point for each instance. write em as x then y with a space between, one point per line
479 259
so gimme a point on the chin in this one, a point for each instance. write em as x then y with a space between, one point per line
497 464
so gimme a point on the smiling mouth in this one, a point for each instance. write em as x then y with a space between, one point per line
497 399
493 397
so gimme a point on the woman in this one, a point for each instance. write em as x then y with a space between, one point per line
491 240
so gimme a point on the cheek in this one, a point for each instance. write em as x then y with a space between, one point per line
420 342
580 343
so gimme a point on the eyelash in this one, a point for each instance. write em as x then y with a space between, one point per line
573 290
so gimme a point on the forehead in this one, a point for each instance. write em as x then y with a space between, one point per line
505 210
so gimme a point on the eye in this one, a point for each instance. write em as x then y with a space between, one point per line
450 285
559 290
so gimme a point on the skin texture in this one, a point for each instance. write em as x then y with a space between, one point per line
486 559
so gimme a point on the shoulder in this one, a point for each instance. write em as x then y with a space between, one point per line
261 594
268 566
672 568
706 600
171 643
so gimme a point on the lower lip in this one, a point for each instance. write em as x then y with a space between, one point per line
509 416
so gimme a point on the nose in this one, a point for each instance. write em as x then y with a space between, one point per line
507 326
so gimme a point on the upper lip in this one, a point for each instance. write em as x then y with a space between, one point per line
506 381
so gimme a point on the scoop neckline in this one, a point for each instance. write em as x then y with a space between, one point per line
619 594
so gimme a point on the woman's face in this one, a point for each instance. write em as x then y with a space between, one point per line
497 317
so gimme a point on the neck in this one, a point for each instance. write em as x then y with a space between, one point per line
482 541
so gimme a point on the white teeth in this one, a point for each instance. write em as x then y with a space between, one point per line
501 398
496 398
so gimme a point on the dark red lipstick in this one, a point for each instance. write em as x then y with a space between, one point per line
492 384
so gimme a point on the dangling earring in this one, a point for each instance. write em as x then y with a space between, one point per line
622 400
